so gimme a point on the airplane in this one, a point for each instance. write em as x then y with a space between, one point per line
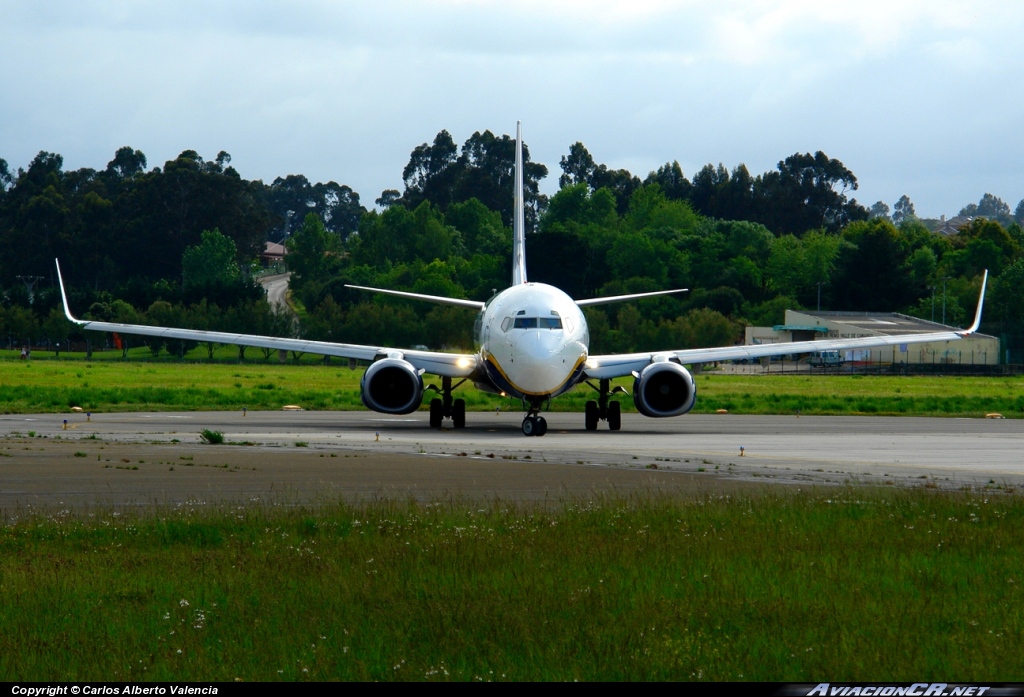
533 344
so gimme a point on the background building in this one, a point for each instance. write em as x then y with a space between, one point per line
977 349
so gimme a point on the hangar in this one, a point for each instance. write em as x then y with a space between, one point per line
977 349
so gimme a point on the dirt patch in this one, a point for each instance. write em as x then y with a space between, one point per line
45 473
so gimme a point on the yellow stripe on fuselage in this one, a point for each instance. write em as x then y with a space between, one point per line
489 357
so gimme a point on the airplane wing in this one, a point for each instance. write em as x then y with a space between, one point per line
455 365
620 365
589 302
441 300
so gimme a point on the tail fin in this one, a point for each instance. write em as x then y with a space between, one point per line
518 227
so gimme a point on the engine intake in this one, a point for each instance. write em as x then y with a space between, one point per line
664 389
392 386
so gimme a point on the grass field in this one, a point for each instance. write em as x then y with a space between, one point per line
55 385
849 585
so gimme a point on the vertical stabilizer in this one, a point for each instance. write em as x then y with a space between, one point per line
518 227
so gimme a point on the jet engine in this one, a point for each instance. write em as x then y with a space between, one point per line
392 386
664 389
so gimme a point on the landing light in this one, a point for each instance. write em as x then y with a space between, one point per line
463 363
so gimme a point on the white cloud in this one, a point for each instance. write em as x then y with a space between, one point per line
900 91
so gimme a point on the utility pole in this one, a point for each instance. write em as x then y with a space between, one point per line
944 279
30 286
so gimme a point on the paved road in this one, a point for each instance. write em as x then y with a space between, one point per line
276 287
366 454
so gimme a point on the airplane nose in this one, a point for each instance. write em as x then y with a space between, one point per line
539 345
539 365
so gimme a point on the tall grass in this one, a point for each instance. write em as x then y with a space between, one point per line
850 585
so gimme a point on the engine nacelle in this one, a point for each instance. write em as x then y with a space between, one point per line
392 386
664 389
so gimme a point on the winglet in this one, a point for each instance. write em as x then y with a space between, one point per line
977 313
64 296
518 211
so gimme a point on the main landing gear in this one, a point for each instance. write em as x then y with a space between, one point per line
602 409
445 407
534 424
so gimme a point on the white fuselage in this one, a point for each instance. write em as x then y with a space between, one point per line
533 341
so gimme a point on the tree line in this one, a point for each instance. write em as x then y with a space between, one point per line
176 245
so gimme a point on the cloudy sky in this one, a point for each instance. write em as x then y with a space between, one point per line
921 97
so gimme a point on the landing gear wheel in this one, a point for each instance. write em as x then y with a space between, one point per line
436 413
591 416
459 413
542 426
529 426
614 416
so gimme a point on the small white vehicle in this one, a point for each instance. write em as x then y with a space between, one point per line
825 359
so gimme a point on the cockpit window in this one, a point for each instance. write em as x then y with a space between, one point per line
538 323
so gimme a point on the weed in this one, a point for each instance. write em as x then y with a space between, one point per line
211 437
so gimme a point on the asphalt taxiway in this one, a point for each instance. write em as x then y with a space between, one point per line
302 456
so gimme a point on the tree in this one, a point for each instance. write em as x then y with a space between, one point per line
163 212
820 255
785 268
903 211
211 262
672 181
431 172
388 198
313 252
991 207
5 176
481 228
703 328
871 271
127 163
485 170
879 210
487 173
579 168
336 205
808 192
1004 302
982 244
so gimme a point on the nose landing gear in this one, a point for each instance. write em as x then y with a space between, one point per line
533 424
